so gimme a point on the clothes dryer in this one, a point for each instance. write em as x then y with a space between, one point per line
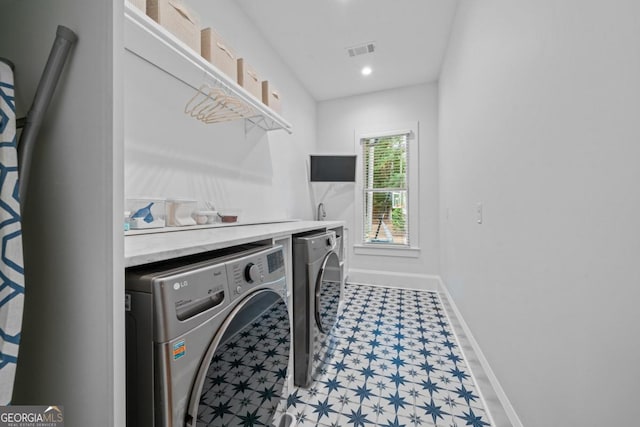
208 342
316 299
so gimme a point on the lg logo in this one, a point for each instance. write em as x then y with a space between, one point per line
179 285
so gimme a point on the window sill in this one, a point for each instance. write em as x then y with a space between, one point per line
387 250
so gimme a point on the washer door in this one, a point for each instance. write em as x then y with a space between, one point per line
327 293
243 376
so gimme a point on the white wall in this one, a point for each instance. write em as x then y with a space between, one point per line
539 121
337 121
72 343
171 155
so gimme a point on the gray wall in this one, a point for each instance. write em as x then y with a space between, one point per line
72 349
539 121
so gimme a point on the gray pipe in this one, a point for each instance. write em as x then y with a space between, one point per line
65 38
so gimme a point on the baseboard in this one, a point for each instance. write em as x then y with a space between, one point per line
424 282
484 363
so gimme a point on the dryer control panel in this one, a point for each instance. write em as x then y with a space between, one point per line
253 270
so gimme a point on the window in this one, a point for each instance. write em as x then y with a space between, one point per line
387 198
385 178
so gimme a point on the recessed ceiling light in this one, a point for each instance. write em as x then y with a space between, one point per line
366 71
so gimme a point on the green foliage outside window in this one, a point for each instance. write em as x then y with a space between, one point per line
385 161
398 219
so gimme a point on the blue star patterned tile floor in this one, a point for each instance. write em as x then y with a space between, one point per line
396 363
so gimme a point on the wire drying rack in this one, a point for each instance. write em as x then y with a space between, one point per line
212 104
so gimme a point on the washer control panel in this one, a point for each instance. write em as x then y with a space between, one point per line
245 273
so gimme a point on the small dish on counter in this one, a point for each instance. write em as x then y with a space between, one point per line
203 217
229 215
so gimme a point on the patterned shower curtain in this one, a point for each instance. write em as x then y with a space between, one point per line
11 265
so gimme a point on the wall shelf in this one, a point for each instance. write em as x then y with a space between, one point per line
146 39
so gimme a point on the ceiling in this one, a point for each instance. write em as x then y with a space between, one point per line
410 39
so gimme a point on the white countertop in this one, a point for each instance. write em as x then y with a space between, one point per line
146 248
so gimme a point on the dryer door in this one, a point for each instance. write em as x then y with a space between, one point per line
327 293
242 379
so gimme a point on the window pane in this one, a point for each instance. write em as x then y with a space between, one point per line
385 162
385 221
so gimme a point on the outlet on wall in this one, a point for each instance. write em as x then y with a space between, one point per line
479 213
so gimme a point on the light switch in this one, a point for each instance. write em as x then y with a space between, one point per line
479 213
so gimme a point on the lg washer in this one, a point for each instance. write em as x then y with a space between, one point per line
316 296
208 342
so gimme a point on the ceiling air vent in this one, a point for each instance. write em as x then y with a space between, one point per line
361 49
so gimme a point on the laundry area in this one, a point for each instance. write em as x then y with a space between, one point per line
340 213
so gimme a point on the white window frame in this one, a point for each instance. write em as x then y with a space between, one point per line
413 193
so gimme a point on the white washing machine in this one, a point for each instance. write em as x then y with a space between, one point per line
317 279
208 341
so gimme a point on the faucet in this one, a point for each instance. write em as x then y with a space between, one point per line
322 214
